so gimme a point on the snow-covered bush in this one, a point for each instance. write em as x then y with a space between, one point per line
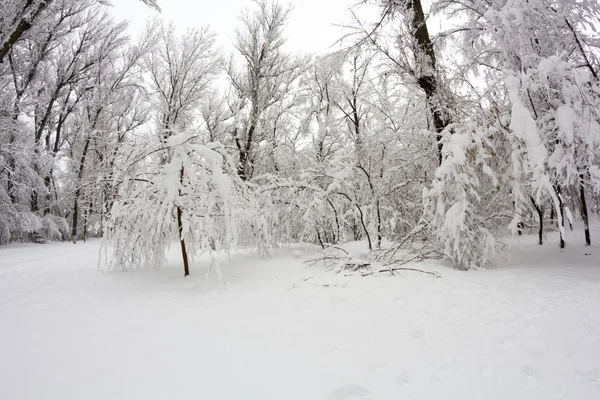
195 198
452 204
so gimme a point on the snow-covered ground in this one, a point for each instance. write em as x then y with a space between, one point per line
528 329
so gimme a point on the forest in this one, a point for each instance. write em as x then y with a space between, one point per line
410 211
437 144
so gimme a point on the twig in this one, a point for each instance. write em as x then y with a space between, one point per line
392 270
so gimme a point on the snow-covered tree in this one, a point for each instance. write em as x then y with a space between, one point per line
195 197
181 70
265 80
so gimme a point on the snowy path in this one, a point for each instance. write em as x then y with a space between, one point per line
282 330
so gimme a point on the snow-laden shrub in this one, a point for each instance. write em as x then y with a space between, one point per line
21 179
452 204
19 225
195 197
551 150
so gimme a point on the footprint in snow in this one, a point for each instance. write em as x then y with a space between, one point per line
530 375
349 392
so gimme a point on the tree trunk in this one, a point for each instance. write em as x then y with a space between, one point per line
86 220
540 211
75 216
78 190
584 211
34 204
377 209
426 76
243 162
186 267
184 255
561 216
319 238
364 225
11 163
245 148
24 22
336 237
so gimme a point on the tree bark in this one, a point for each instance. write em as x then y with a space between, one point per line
243 163
336 238
28 16
184 255
364 225
540 211
561 216
427 65
319 238
584 211
86 220
78 191
244 150
377 209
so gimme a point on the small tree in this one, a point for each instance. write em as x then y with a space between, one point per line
196 198
452 205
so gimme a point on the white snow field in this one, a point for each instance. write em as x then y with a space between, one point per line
528 329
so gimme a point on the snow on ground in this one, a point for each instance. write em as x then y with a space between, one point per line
284 330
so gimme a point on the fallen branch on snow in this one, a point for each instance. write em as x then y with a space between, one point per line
392 270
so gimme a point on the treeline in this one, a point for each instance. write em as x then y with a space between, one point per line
449 139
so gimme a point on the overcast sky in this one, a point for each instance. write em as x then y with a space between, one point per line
310 29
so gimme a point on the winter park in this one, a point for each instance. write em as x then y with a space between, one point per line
276 199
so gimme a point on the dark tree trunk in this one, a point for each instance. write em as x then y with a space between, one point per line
78 190
75 216
379 225
427 78
184 255
356 231
561 216
12 164
34 201
186 267
320 239
245 148
48 185
584 211
243 163
22 24
540 211
364 225
52 149
336 237
377 209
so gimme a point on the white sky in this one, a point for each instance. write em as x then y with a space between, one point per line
310 29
